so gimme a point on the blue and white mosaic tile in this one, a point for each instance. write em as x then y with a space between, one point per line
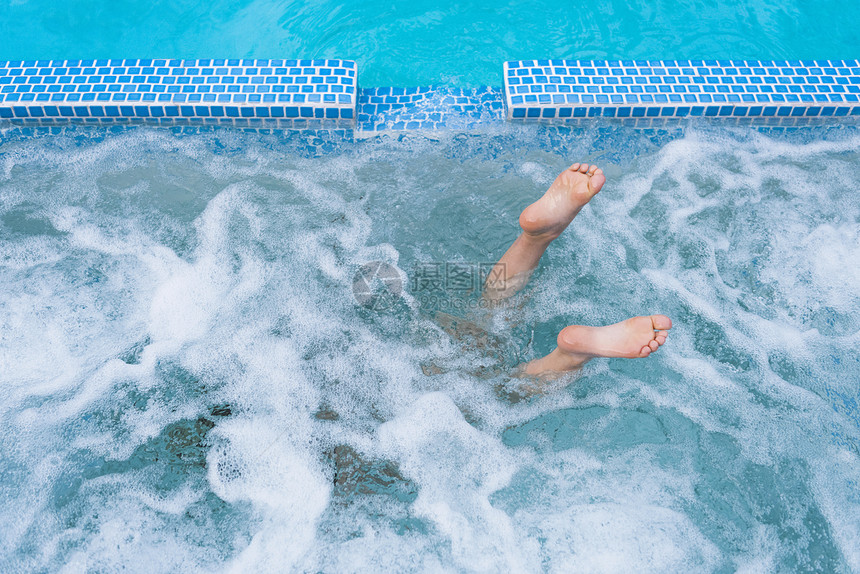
440 108
234 92
324 94
565 89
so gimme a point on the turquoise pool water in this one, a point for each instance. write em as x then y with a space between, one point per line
188 383
417 42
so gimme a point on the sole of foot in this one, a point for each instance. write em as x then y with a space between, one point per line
572 189
633 338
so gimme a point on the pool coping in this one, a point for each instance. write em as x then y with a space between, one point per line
547 89
325 94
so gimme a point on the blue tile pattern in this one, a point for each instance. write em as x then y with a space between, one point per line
428 108
324 94
554 90
178 91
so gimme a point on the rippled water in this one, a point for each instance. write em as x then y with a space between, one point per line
187 382
420 42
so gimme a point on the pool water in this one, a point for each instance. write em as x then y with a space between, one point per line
418 43
189 383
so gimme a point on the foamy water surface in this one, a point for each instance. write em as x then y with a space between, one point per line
187 383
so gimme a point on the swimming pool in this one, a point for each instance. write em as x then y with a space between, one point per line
191 380
188 379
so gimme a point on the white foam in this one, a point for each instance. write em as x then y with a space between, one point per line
230 273
620 538
260 464
457 468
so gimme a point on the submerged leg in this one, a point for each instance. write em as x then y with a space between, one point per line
634 338
542 222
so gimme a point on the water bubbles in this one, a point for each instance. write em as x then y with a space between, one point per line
186 370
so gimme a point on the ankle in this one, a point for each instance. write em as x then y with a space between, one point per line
542 238
557 361
570 359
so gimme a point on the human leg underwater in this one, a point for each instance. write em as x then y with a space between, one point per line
542 222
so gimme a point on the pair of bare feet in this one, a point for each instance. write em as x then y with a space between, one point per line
542 222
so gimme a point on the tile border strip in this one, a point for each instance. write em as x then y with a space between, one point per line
110 91
560 89
324 94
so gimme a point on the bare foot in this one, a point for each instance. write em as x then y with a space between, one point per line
542 222
572 189
634 338
630 339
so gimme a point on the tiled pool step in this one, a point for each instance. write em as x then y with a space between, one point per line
235 92
561 89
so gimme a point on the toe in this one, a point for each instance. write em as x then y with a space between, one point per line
645 351
597 180
660 339
654 345
583 168
574 167
661 322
